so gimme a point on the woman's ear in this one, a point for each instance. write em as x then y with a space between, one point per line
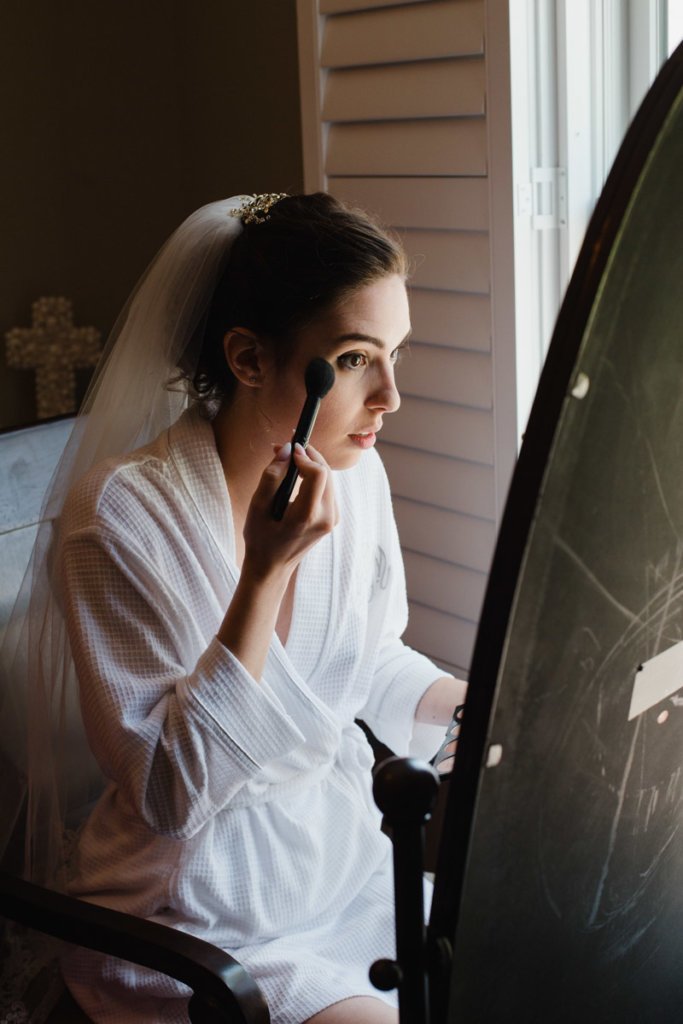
245 354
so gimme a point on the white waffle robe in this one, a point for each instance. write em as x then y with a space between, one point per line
237 810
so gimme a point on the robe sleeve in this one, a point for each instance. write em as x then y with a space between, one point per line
179 741
402 675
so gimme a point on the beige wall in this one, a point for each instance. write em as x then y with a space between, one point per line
118 119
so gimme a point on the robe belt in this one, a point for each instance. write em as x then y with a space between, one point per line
353 755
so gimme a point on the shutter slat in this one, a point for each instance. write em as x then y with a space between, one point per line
441 428
447 375
453 88
462 540
447 588
439 147
441 636
449 28
343 6
440 481
449 319
442 203
453 260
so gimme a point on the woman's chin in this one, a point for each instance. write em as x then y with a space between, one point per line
345 459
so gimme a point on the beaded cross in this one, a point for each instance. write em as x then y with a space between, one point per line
54 347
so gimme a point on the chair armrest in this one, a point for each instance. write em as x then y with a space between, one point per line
223 989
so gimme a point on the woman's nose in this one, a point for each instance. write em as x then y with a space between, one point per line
385 396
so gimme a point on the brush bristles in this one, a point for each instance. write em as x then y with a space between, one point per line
319 378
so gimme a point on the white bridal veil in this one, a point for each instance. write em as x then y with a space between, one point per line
47 776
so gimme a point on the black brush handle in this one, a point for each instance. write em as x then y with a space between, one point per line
302 436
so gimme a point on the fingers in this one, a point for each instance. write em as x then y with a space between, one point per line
309 468
316 494
314 507
313 471
272 477
275 544
282 452
445 760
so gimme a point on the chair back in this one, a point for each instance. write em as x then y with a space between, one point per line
28 457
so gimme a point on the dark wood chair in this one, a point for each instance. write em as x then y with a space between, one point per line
223 990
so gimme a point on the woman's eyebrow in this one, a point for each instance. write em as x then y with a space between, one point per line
353 336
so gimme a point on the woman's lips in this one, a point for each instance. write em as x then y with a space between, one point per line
364 440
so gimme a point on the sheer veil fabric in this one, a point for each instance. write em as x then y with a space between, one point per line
47 774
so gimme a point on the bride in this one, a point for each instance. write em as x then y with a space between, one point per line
222 657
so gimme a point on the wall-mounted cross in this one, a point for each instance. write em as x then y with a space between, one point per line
55 349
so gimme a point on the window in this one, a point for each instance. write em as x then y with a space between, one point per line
406 109
579 70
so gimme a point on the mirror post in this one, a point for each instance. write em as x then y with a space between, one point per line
405 791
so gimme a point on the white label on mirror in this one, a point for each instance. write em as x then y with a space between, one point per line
656 679
494 755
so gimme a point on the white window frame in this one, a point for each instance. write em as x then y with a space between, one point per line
579 70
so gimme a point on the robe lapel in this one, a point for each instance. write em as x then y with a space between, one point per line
288 668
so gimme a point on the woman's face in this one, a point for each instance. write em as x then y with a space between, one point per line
361 337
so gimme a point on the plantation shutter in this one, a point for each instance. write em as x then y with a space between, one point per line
394 103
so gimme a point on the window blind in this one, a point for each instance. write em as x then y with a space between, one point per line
394 102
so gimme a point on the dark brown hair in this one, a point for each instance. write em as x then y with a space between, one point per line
286 271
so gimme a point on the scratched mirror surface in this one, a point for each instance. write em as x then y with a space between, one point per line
572 902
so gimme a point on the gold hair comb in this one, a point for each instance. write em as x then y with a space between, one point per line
257 208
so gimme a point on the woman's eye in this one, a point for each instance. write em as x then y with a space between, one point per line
352 360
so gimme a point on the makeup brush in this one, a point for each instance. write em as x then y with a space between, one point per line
319 378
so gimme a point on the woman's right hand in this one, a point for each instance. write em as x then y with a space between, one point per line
273 546
273 549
